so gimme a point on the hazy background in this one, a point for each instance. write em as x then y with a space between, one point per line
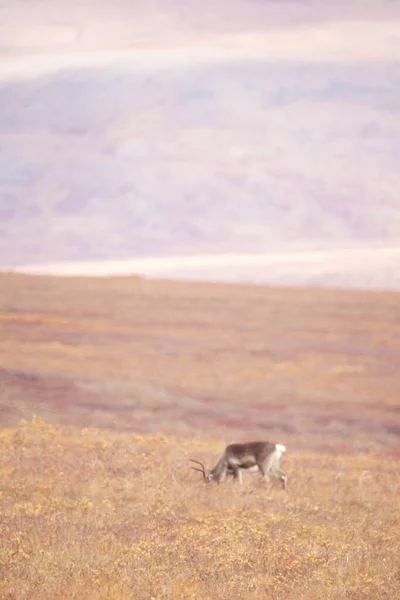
170 129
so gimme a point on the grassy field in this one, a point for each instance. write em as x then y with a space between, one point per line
129 378
94 514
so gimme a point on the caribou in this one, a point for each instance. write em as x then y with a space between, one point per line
251 457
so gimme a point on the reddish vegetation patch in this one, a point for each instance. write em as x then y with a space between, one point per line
141 355
58 397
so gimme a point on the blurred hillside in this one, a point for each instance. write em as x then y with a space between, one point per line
129 131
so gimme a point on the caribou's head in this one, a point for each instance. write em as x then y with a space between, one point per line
207 475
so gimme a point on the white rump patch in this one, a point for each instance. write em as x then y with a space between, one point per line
280 449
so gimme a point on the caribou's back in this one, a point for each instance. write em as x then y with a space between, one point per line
252 451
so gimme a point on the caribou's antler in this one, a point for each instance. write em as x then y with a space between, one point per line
202 470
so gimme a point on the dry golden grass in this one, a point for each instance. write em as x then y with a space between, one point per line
169 371
89 514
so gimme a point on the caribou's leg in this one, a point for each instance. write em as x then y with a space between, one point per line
222 476
264 468
237 475
280 475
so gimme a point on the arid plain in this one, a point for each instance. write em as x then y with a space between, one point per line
128 378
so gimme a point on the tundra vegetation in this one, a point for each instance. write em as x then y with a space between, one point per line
109 387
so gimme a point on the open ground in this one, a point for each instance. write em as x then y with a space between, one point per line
119 381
